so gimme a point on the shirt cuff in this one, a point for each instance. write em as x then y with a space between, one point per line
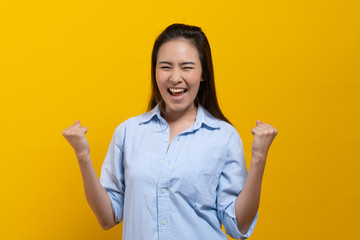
115 200
230 223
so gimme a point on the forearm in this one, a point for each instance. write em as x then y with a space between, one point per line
96 195
247 203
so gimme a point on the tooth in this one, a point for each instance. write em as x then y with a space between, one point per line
176 90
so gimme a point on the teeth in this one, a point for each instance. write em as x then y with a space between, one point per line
176 90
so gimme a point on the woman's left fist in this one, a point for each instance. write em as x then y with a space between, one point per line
264 135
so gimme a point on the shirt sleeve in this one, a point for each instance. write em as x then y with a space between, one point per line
112 173
231 182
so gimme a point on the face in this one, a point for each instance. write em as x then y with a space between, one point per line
178 75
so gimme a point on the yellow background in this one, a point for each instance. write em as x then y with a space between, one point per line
293 64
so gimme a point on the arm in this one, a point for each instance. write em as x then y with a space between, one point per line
96 195
247 203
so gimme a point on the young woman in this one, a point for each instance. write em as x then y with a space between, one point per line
177 171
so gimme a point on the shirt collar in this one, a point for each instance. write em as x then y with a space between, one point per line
202 117
151 114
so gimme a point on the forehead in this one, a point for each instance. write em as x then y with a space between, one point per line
178 50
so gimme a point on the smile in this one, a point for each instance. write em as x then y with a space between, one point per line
177 91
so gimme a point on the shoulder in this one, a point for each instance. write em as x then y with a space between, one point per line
222 129
131 124
230 131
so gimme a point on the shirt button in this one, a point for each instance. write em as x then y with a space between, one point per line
163 190
166 140
161 161
163 222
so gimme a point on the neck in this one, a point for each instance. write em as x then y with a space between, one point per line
188 114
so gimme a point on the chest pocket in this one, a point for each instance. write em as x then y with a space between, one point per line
201 179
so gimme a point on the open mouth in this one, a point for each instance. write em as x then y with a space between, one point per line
177 91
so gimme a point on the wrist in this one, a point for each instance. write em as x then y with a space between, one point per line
258 158
257 165
83 157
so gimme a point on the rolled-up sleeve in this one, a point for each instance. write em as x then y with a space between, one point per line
232 180
112 173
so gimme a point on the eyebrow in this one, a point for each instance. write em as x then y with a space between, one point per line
170 63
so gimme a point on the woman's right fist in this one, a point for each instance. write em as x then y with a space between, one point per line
75 135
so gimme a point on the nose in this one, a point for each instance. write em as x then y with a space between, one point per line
176 76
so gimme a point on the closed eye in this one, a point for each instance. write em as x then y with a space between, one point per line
165 67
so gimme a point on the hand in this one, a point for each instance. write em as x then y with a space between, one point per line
75 135
264 135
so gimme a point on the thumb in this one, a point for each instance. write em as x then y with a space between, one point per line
84 129
258 122
77 123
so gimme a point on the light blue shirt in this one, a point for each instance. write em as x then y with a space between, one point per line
181 191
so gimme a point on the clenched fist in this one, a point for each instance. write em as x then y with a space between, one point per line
75 135
264 135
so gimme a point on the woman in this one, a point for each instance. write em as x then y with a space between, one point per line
177 171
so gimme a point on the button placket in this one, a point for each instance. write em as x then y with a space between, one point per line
163 189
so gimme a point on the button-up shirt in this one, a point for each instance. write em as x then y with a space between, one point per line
184 190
